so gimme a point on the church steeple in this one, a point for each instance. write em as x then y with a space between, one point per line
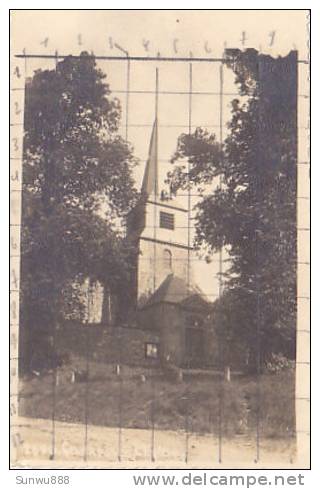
159 228
150 178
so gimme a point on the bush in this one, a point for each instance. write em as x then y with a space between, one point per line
278 362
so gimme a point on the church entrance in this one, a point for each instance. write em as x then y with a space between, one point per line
194 347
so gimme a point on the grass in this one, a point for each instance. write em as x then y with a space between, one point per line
204 405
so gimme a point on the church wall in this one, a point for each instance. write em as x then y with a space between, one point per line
152 224
92 297
167 319
173 335
171 321
99 306
153 266
174 322
211 348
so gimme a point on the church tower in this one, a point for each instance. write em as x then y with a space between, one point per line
159 227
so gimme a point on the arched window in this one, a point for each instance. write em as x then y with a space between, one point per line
167 259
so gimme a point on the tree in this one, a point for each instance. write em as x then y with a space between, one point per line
253 212
77 187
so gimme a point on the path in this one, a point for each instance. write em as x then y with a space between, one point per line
169 448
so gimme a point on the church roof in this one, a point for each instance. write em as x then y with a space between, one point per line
150 177
175 290
150 182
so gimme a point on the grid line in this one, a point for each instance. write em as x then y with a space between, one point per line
127 126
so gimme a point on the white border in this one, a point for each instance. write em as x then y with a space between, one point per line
82 478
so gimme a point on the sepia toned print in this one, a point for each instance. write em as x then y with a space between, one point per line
160 240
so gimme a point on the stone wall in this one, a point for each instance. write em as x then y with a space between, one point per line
165 326
106 344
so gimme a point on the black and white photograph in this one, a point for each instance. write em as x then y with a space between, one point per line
160 238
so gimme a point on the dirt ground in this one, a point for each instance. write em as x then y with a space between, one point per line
76 446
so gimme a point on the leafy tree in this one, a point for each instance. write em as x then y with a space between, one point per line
253 212
77 187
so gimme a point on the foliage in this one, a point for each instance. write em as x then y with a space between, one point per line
77 187
73 153
249 202
277 363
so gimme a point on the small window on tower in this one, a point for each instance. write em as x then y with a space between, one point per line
166 220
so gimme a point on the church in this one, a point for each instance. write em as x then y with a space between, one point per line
166 298
170 320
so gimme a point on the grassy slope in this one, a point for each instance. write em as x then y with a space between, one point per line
106 398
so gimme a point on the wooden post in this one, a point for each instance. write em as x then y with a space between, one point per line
109 308
227 373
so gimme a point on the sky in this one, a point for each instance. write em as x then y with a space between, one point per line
165 34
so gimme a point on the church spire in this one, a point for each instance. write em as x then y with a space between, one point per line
150 178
